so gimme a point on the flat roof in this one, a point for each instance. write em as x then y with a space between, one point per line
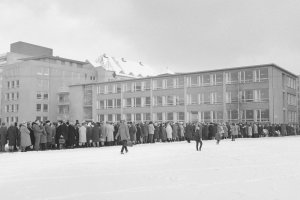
54 58
195 72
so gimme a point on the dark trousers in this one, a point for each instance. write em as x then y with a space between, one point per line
150 138
197 145
124 146
233 137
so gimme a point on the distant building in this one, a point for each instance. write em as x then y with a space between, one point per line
260 93
34 84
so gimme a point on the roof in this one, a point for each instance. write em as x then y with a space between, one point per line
54 58
125 67
197 72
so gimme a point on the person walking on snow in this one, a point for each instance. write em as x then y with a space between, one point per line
123 132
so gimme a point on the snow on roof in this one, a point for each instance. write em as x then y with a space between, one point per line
123 67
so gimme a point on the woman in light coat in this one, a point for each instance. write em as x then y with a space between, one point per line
25 137
169 132
110 133
82 135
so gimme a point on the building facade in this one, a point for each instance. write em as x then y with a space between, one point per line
262 93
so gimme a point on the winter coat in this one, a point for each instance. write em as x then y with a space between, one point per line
188 131
103 133
198 133
164 133
138 132
151 129
145 130
123 132
48 130
12 134
218 135
283 129
174 131
255 129
205 131
225 134
3 135
53 134
96 133
156 132
169 131
25 137
31 135
88 134
234 130
71 135
110 132
132 132
44 136
181 128
82 134
250 131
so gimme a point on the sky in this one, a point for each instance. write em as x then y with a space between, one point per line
181 35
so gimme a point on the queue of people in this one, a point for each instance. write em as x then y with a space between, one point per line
63 134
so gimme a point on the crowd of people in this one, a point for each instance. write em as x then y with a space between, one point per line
63 134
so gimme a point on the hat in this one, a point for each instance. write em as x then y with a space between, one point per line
47 121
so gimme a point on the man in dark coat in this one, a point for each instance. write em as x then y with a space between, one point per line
71 135
198 137
96 134
3 137
188 132
61 130
138 134
12 134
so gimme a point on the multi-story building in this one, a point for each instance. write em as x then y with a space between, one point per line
34 84
261 93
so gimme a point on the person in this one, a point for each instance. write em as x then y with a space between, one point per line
123 132
82 135
169 132
198 137
12 134
110 133
43 138
132 132
25 137
150 132
89 134
38 131
234 131
96 134
71 135
103 134
49 134
219 132
3 137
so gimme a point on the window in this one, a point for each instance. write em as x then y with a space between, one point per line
207 117
158 84
158 101
12 96
128 102
248 76
110 88
101 89
128 117
170 116
193 99
138 117
194 116
194 81
118 117
137 86
179 100
219 78
146 117
110 117
206 99
45 107
38 107
117 103
232 77
17 83
137 102
247 96
146 85
291 99
8 84
232 97
118 88
39 95
169 101
45 96
169 83
216 97
218 116
7 108
109 103
179 82
128 87
232 115
17 107
13 84
101 118
180 116
206 79
159 116
102 104
147 101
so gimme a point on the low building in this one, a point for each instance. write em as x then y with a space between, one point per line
260 93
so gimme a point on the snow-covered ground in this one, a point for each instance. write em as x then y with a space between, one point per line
265 168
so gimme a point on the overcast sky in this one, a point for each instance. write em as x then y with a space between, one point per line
183 35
